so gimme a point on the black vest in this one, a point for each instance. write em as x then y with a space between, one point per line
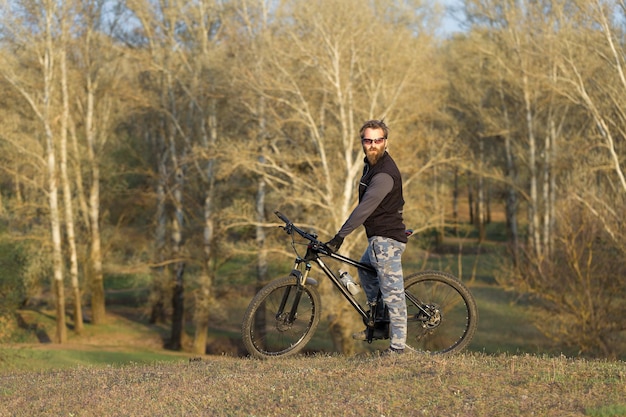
386 220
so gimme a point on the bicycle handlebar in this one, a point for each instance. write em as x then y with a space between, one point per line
282 217
315 244
290 227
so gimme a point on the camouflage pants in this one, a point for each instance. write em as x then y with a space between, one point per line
385 255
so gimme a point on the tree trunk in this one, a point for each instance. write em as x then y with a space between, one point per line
480 191
57 256
470 198
55 218
205 298
261 265
178 297
158 312
67 196
552 185
455 202
511 175
533 204
98 310
547 174
178 308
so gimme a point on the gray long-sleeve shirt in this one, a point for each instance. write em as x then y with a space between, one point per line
378 188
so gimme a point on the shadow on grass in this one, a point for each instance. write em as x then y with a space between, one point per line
36 328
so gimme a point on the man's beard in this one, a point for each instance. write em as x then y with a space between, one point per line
374 157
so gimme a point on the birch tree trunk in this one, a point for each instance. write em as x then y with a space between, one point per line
261 262
480 192
159 284
511 201
98 310
47 62
97 63
534 229
205 298
67 193
178 295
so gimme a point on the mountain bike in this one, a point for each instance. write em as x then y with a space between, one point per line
283 316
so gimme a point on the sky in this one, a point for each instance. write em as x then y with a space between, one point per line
450 24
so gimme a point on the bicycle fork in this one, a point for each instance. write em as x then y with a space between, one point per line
302 279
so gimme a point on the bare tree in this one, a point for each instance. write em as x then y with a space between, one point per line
65 179
40 95
99 60
603 101
580 301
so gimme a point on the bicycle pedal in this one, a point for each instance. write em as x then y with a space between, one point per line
379 334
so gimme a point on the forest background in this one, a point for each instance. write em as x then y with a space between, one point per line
149 142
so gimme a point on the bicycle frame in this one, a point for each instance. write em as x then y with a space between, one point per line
314 250
313 254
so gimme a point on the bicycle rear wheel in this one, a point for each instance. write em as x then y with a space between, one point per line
280 321
442 313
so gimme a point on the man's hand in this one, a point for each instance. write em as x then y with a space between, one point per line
334 244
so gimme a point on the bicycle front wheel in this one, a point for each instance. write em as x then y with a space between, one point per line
442 313
281 318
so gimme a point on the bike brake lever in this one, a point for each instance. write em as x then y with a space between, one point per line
287 228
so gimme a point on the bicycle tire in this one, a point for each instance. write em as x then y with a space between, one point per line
267 333
455 320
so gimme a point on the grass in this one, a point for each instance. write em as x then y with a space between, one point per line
606 411
472 384
33 358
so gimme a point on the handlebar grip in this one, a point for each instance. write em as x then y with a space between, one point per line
282 217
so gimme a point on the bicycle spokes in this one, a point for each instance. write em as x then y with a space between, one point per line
439 314
283 316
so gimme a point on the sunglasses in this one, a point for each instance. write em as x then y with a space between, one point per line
377 141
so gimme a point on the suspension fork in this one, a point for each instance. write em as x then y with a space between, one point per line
301 278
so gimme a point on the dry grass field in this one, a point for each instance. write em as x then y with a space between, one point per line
469 384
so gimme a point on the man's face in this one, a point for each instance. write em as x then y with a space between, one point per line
373 151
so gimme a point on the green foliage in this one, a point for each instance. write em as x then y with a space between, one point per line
13 263
24 267
126 281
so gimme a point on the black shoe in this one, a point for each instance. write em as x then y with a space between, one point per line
378 334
